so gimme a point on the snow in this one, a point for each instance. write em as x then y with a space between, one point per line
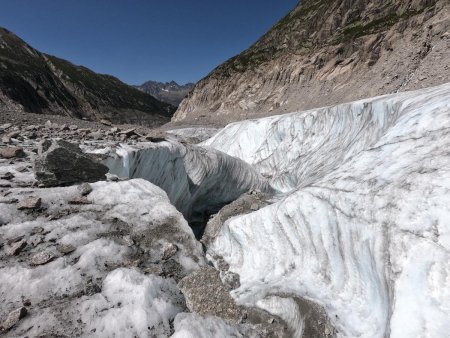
363 225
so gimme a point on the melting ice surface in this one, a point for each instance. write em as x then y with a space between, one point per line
364 226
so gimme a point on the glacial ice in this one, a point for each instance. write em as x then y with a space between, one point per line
198 181
363 227
96 290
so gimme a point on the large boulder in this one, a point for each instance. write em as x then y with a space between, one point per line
63 163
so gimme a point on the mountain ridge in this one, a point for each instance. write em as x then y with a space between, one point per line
328 52
31 81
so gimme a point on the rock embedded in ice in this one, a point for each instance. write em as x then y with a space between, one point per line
169 249
42 257
15 248
13 318
29 203
85 189
63 163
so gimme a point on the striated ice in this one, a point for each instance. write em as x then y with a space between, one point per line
363 226
198 181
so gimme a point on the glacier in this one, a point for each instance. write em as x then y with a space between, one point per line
361 223
338 226
198 181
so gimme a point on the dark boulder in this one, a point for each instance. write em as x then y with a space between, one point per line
62 163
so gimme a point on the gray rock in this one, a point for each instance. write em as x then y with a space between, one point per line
6 126
63 163
42 257
7 138
105 122
29 203
13 318
17 247
65 248
169 249
79 201
84 189
11 152
7 176
96 135
206 295
231 280
128 133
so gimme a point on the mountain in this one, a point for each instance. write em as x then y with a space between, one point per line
169 92
35 82
326 52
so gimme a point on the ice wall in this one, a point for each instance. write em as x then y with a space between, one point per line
198 181
363 228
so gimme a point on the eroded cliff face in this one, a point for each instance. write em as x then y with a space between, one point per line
328 52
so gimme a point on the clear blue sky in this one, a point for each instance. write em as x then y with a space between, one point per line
140 40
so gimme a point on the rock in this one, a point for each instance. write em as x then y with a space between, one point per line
169 249
254 207
29 203
7 176
13 318
79 201
17 247
35 240
6 126
106 122
84 189
156 136
63 163
128 132
11 152
42 257
73 127
7 138
15 239
206 295
48 124
65 248
96 135
231 280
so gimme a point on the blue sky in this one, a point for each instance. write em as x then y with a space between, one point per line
140 40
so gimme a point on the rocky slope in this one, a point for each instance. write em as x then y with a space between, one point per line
34 82
328 52
169 92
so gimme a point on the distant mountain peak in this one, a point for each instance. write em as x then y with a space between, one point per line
169 92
